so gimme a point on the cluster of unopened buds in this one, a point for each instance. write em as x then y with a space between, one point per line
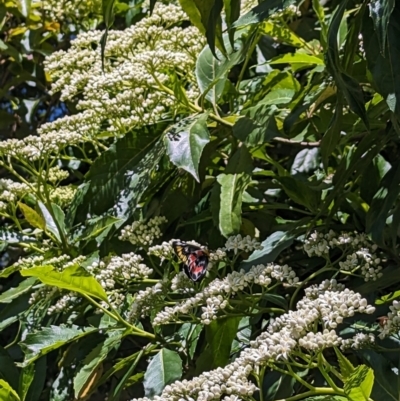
360 253
143 233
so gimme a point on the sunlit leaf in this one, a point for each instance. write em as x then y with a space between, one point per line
185 142
164 368
7 392
93 360
232 188
72 278
359 385
32 217
12 293
50 338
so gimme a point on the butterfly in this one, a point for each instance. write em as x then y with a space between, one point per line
194 258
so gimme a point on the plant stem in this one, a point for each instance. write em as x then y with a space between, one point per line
116 316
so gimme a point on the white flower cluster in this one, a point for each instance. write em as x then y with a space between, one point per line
60 10
246 244
11 191
140 62
119 269
182 283
141 233
165 251
56 174
65 304
316 341
392 323
217 255
43 293
360 340
59 262
216 295
231 380
369 262
136 88
54 137
314 291
362 256
115 299
63 196
278 342
147 300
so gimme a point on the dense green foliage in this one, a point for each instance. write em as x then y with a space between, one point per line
268 133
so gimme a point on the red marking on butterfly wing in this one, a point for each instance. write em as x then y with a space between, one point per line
197 265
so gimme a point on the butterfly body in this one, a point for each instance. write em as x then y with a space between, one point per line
194 259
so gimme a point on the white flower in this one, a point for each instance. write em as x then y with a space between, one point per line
141 233
237 243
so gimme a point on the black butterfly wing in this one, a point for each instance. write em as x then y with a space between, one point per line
194 258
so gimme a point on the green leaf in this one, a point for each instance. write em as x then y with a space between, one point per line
13 311
32 217
190 334
50 222
380 11
258 126
348 85
332 136
185 142
232 188
306 161
97 228
386 383
117 179
94 359
205 16
48 339
59 217
25 7
384 68
372 177
214 27
128 380
355 162
272 246
297 58
198 12
219 337
358 386
73 278
211 72
8 370
240 162
283 33
319 11
300 192
263 11
388 299
164 368
4 273
232 13
382 203
39 373
26 378
346 367
7 393
12 293
108 14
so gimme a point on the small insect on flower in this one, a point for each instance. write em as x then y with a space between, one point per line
194 259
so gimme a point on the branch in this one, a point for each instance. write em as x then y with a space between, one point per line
303 144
